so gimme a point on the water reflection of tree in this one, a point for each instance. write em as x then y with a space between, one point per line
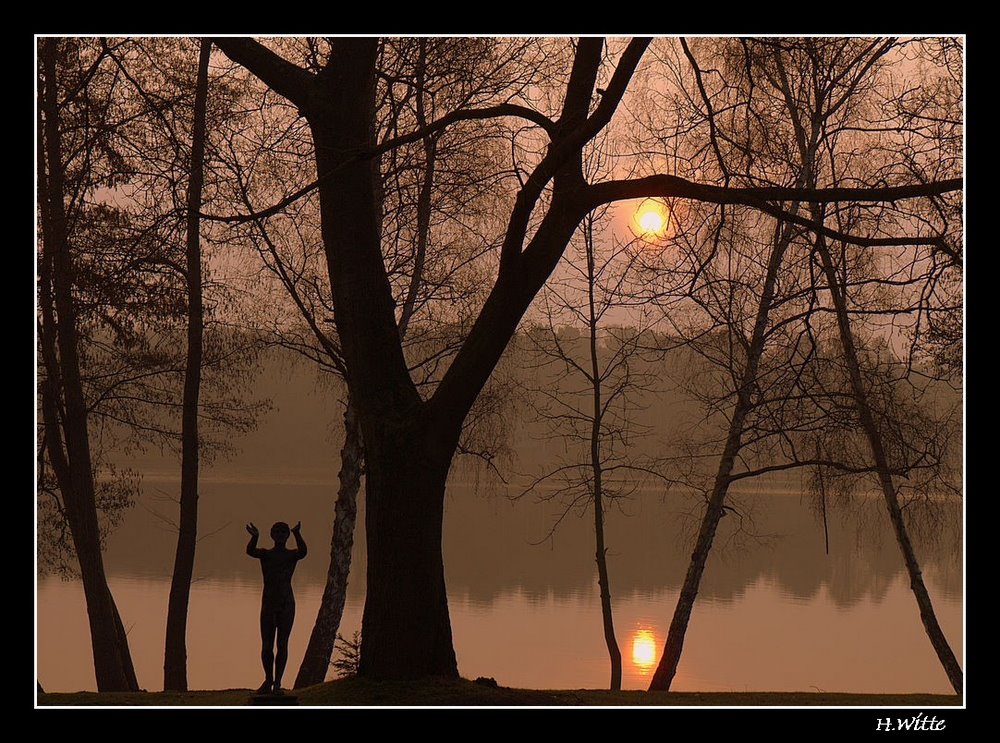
487 538
493 557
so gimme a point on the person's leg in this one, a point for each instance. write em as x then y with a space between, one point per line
267 630
285 619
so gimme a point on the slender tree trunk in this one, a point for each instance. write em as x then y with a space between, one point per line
822 501
175 648
614 652
316 661
666 669
112 662
935 634
423 200
604 582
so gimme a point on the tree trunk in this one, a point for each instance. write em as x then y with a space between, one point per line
175 647
112 662
409 442
406 631
927 615
603 581
316 661
614 652
666 669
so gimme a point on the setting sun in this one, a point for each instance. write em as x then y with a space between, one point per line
652 218
643 650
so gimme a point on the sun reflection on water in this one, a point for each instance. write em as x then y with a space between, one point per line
643 650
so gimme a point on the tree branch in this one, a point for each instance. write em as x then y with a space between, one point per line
491 112
612 96
713 132
761 197
285 78
674 186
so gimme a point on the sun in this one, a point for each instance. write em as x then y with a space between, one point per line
652 217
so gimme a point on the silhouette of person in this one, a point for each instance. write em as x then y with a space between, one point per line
277 606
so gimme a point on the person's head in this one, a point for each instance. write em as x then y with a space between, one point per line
280 532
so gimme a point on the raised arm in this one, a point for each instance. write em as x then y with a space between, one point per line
252 548
300 544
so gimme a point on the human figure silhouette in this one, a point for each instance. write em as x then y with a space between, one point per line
277 606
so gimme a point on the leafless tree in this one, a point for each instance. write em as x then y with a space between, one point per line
788 109
175 648
587 392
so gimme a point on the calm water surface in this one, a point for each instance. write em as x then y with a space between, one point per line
775 612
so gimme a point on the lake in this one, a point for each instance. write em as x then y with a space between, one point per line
775 612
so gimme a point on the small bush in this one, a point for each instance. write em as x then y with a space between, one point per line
347 654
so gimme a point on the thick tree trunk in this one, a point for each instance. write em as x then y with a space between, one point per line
406 630
112 661
324 633
666 669
175 647
409 442
927 615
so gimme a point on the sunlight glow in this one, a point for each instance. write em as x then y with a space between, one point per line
652 218
643 650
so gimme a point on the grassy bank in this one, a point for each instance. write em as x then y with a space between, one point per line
438 692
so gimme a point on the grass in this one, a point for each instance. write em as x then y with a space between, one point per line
463 693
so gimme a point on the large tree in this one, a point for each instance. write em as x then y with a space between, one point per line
437 205
410 440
